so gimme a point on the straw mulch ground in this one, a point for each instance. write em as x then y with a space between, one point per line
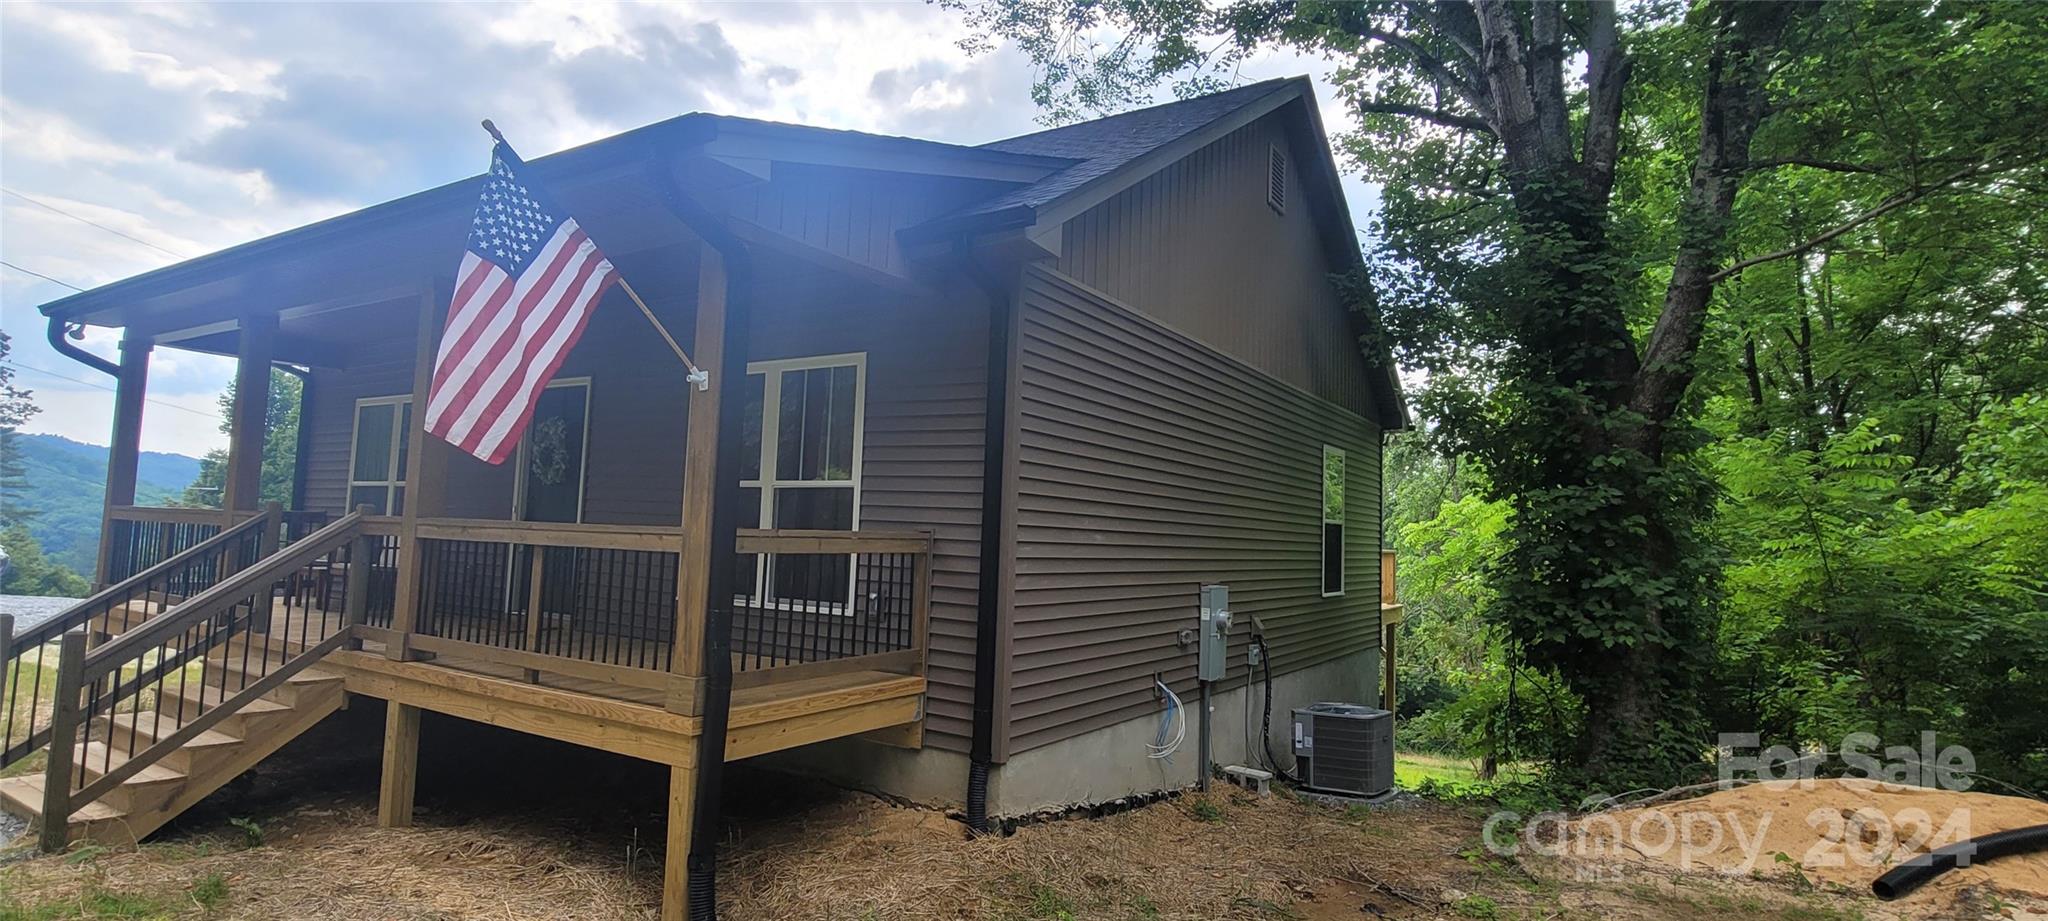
511 829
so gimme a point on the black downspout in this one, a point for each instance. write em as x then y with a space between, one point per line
729 378
64 347
988 606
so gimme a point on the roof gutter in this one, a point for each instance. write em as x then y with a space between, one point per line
717 699
58 341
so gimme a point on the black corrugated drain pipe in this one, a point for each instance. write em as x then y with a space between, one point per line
732 371
1917 872
988 605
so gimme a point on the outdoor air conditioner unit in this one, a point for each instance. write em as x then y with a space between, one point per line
1344 748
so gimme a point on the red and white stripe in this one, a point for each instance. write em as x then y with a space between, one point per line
506 336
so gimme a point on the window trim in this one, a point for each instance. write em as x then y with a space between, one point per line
1323 521
766 483
395 478
583 469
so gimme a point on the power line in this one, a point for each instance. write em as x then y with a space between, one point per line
122 234
98 386
40 275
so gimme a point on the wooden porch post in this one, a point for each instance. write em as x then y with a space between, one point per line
700 484
426 470
246 422
125 450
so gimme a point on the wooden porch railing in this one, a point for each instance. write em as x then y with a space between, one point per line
592 602
813 602
598 602
138 536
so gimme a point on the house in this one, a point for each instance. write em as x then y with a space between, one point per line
980 423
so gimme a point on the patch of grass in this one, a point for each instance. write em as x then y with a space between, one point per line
1479 907
1205 811
1048 903
1414 770
211 891
95 903
84 853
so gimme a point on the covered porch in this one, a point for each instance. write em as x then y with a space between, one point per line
679 575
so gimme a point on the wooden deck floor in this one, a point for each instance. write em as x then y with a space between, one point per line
631 718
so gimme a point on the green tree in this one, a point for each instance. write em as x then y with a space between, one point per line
17 406
30 573
280 447
1567 198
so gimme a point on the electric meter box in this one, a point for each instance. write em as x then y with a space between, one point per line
1213 649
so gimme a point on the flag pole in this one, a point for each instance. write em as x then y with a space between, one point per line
697 375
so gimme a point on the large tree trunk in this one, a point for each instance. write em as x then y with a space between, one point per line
1602 580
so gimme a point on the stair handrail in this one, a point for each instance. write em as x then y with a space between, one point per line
183 567
217 605
62 622
233 588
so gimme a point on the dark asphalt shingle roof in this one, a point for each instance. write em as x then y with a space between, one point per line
1105 144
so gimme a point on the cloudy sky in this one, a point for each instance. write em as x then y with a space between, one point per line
132 136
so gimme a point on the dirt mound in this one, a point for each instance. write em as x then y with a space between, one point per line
1842 833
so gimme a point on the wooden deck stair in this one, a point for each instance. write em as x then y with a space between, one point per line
158 793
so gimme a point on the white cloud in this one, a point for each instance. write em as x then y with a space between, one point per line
198 126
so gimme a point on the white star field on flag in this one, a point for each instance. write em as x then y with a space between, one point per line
510 223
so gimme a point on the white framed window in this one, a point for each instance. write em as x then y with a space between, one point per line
801 438
377 454
1333 521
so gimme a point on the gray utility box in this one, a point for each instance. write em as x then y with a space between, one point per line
1344 748
1212 657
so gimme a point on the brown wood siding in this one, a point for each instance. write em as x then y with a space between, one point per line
1148 464
638 406
1196 246
378 369
921 466
853 214
921 460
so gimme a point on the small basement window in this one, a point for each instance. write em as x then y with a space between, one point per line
1333 521
1276 179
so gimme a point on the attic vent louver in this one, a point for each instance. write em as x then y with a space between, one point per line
1276 180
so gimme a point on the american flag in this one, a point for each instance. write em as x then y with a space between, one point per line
527 284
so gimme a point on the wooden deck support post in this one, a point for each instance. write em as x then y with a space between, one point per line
249 416
675 870
401 765
125 448
426 473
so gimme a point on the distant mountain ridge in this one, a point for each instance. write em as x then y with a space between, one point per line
66 481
